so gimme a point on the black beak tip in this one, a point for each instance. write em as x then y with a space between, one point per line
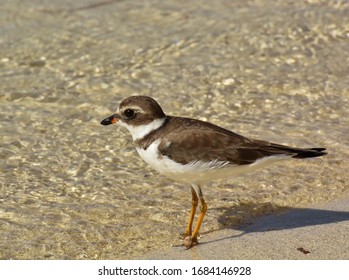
112 119
106 121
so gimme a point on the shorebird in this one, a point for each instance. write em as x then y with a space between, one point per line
195 152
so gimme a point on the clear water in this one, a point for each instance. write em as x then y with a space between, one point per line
73 189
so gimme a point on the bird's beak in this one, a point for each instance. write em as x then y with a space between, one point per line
112 119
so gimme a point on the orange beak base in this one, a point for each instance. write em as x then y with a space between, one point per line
112 119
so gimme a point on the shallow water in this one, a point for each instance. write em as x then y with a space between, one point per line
73 189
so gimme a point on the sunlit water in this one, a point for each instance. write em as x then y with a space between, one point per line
73 189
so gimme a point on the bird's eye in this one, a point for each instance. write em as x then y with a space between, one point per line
129 113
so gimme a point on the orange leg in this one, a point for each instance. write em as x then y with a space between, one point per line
193 239
194 205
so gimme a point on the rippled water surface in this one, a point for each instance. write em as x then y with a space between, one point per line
73 189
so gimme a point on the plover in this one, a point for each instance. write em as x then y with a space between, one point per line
195 152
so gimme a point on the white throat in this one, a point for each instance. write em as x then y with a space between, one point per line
139 131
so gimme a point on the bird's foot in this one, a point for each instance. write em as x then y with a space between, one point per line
190 241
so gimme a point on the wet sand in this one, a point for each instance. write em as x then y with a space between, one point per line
73 189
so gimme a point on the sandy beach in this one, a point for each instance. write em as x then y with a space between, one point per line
316 233
72 189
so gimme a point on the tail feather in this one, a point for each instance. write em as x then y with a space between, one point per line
307 153
296 152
